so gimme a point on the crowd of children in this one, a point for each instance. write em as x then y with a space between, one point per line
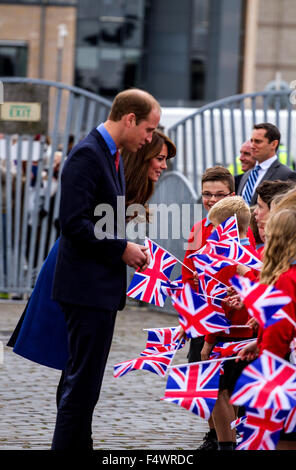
273 220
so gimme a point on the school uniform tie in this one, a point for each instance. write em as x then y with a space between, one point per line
249 187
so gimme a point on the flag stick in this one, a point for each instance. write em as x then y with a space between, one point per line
171 255
205 362
189 269
160 328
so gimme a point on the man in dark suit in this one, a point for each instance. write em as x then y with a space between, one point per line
90 276
265 141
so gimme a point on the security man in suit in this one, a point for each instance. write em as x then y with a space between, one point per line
265 141
90 275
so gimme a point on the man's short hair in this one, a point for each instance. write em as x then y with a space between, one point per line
272 132
135 101
219 173
228 207
268 189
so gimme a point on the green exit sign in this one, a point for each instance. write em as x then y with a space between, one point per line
15 111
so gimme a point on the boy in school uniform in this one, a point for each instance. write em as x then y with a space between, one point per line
217 183
224 413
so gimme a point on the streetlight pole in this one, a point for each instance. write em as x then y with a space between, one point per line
62 33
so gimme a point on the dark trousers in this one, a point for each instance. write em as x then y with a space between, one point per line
90 333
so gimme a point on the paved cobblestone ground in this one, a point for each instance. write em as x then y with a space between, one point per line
129 415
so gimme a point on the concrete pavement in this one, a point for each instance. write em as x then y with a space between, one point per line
129 415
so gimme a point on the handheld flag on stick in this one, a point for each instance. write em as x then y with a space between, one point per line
196 317
194 387
146 285
261 429
156 363
263 302
268 382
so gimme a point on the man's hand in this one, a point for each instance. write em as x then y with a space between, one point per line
136 256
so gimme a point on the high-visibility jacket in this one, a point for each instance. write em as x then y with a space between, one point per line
282 156
239 170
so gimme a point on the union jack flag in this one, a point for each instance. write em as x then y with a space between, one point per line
261 429
211 263
228 349
196 317
156 363
211 286
227 230
238 423
292 357
161 349
194 387
163 339
262 301
232 250
213 290
267 382
146 285
167 287
290 423
162 336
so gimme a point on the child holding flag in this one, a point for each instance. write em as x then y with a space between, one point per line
224 413
279 270
217 183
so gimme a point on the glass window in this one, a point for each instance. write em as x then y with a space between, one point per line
126 33
89 9
88 33
200 24
13 61
111 33
109 44
198 77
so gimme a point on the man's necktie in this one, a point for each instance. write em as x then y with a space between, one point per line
249 187
117 158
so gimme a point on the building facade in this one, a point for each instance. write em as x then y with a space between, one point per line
186 53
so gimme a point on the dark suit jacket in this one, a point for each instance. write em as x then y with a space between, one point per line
90 271
237 180
277 171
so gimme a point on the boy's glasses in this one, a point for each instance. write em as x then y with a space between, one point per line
216 196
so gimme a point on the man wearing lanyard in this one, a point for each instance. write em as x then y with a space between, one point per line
90 276
265 141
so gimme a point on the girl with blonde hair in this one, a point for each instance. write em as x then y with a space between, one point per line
279 270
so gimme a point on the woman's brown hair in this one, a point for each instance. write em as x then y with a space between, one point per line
139 188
